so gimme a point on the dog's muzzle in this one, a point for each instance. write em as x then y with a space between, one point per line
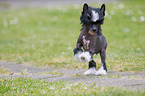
92 32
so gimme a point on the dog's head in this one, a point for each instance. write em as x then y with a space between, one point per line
92 18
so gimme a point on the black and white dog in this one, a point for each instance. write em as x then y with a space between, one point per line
91 39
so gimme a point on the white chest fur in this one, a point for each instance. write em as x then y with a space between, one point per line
86 42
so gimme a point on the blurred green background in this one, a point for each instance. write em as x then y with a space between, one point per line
46 36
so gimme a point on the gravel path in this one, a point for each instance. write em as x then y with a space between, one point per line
133 80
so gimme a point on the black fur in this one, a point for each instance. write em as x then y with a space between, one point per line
86 18
92 64
76 50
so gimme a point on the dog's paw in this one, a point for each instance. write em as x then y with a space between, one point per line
77 56
91 71
77 52
101 71
85 57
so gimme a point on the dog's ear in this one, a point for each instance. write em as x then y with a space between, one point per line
103 9
85 7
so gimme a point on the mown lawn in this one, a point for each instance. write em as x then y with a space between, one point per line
28 86
46 36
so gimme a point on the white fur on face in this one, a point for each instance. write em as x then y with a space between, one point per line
95 16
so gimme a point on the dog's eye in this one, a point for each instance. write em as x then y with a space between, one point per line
100 22
97 22
88 16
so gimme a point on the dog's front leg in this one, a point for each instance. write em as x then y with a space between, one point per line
92 68
78 46
103 69
77 51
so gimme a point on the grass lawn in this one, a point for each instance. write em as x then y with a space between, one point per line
46 36
28 86
3 70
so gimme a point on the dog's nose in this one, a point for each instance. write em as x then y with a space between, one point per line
95 29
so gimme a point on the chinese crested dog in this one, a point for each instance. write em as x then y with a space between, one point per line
91 39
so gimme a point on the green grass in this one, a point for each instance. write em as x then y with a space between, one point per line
28 86
46 37
3 70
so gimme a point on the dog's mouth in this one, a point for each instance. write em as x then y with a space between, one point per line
92 32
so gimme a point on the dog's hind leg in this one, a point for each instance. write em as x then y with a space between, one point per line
103 69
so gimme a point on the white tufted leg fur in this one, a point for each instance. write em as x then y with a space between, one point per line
101 71
77 56
85 57
91 71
